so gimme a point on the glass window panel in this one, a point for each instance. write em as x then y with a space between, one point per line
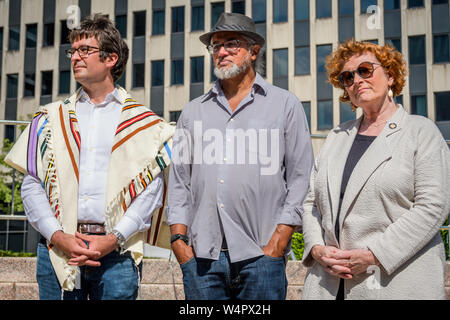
259 10
10 133
417 50
64 39
322 52
174 115
346 7
365 4
415 3
345 112
197 68
177 72
48 37
324 115
1 39
439 1
323 9
29 85
138 75
397 43
213 76
442 103
14 38
17 225
31 36
217 8
121 80
307 107
121 25
64 82
177 19
198 18
238 7
12 86
419 105
2 241
391 4
16 242
441 46
46 83
158 26
158 73
302 60
301 9
139 23
280 63
399 99
280 10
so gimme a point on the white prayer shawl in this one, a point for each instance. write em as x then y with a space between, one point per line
49 150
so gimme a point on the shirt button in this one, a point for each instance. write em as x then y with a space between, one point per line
221 181
225 159
231 119
222 205
86 198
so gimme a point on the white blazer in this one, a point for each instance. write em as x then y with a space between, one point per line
396 199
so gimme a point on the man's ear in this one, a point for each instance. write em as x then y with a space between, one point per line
111 59
255 51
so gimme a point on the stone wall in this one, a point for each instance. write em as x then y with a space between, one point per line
161 280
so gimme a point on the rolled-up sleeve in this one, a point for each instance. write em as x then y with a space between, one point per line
298 161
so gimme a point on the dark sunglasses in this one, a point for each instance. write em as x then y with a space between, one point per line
365 70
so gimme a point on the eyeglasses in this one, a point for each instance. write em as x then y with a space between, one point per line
83 51
365 70
230 46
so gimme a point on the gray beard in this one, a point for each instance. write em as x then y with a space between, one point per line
232 71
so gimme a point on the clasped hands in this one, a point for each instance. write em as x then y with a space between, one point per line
82 249
343 263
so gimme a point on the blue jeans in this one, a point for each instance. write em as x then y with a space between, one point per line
260 278
116 279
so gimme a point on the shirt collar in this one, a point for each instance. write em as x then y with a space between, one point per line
113 95
259 83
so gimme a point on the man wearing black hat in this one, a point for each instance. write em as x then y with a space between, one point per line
233 207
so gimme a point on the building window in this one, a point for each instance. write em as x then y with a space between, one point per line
121 25
280 8
346 8
419 105
365 4
177 72
46 83
31 36
439 1
238 7
325 115
302 60
139 23
138 75
14 38
391 4
177 19
259 11
157 73
217 8
29 85
198 18
174 116
417 50
12 86
158 22
323 9
65 32
322 52
345 112
301 10
441 48
64 82
212 75
122 80
415 3
442 101
280 68
396 43
197 69
48 37
307 107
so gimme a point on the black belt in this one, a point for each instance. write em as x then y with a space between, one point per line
224 245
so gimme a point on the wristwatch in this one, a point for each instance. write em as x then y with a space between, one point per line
179 236
120 238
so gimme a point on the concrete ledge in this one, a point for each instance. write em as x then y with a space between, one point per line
161 280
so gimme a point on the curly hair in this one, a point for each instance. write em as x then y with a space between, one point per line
109 40
391 60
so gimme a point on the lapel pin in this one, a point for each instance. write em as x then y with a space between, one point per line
392 125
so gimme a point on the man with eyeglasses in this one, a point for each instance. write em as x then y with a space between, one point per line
240 169
93 175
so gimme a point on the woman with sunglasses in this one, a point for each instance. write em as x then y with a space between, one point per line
379 190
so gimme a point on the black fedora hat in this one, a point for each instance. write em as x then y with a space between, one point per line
234 22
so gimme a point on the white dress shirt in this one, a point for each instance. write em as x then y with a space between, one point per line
97 125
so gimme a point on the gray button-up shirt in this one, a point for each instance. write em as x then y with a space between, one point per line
239 174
